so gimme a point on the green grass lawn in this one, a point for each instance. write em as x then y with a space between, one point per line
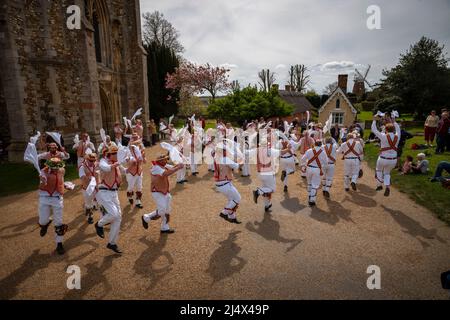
430 195
19 178
368 115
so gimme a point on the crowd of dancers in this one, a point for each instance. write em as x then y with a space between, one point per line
225 150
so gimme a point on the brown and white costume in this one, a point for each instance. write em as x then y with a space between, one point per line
134 172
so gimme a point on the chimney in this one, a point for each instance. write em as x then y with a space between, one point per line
342 82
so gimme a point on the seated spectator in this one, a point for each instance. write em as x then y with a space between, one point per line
407 165
422 165
443 165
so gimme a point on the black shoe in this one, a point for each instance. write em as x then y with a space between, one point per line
144 223
347 189
387 192
311 204
140 206
283 175
131 201
194 174
90 219
303 177
326 194
267 209
245 176
113 247
183 181
234 221
88 212
168 231
285 189
99 230
434 179
43 231
353 186
379 188
223 216
180 182
60 249
255 196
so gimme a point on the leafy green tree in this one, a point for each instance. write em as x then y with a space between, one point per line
314 98
421 80
249 103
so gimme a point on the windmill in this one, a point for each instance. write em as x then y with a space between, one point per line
358 87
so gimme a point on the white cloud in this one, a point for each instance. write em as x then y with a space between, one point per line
327 36
228 66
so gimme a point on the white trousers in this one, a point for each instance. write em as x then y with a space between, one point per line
181 174
233 196
245 169
193 163
109 200
88 199
46 206
288 165
383 171
327 178
268 186
313 179
351 171
163 208
79 162
134 182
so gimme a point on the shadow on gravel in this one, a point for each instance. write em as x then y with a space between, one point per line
323 216
366 190
413 227
94 277
28 226
337 209
269 229
144 265
360 200
224 261
291 204
11 283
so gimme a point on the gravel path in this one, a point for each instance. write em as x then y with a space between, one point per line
294 253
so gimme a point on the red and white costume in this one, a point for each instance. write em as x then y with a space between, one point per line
51 200
328 168
223 176
107 197
134 172
306 143
90 172
58 154
161 195
81 148
314 160
352 152
387 159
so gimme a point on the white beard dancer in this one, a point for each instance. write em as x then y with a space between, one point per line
160 193
223 175
265 165
108 199
387 159
313 161
51 191
330 148
287 162
134 171
352 152
88 173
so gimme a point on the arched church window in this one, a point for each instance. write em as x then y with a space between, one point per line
98 49
338 103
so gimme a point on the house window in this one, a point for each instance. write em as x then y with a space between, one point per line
338 117
338 103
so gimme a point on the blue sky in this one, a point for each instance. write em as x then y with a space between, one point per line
328 36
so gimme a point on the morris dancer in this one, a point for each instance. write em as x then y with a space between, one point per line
181 173
139 129
134 171
108 199
388 154
352 152
160 192
312 162
207 152
118 132
82 146
51 191
306 142
287 162
265 165
223 175
330 148
87 171
54 153
102 147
